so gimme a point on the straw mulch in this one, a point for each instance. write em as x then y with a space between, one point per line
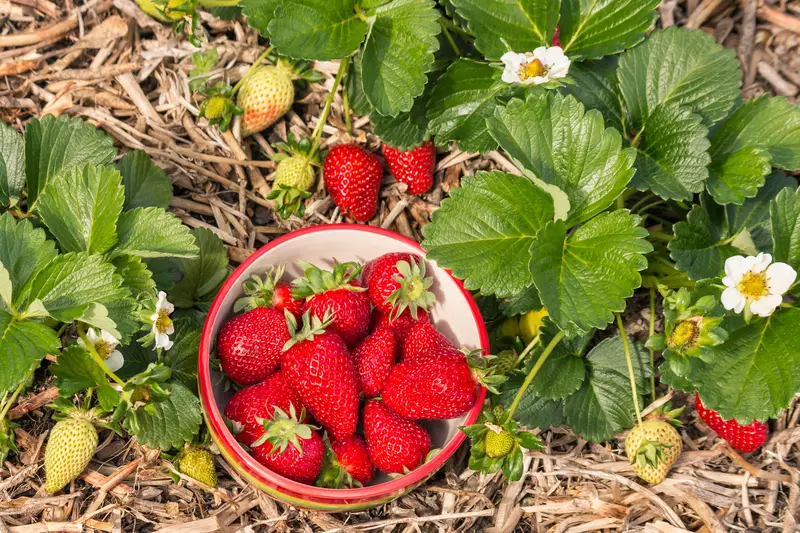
105 61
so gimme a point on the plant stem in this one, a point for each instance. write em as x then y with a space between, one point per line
348 121
218 3
532 374
644 199
97 359
661 236
323 118
626 347
10 401
651 205
652 353
449 37
251 70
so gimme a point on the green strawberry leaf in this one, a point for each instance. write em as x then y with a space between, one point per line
75 370
168 424
53 144
146 185
70 282
503 25
484 230
22 343
23 250
593 29
533 411
712 233
596 87
461 101
12 164
551 137
398 53
586 276
355 89
80 207
563 372
201 276
406 130
315 29
681 67
135 275
523 302
672 156
785 223
734 177
227 12
754 374
603 405
152 232
259 13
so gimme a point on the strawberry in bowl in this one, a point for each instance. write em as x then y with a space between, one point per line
341 379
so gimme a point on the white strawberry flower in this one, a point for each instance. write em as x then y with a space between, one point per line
756 282
542 65
105 345
162 323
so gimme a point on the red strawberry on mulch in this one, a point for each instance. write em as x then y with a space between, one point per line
320 369
395 445
396 282
431 387
374 359
353 178
290 448
413 167
258 401
339 294
270 291
425 339
352 455
249 345
746 439
400 325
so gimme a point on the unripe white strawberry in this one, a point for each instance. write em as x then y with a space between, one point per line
266 95
71 445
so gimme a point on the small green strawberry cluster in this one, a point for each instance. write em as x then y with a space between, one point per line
334 346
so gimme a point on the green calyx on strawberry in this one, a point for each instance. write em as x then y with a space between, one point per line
269 291
396 282
310 328
347 464
318 281
484 370
218 107
284 429
498 442
655 445
294 175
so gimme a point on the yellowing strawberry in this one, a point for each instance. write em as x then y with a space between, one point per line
530 323
71 445
159 12
653 448
498 442
198 463
266 95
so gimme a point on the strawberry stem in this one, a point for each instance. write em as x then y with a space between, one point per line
323 118
7 403
634 392
532 374
97 359
251 70
652 352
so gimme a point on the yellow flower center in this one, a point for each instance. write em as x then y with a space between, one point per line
163 322
685 333
103 348
531 70
754 285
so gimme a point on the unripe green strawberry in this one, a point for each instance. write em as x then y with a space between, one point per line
198 463
653 448
266 95
498 443
215 107
159 13
296 171
71 445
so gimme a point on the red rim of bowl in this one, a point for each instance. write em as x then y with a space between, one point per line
214 416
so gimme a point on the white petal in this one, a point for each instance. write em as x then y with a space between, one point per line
91 334
510 75
559 71
108 338
750 263
170 328
162 341
555 55
728 281
766 305
762 262
538 80
734 268
512 61
780 277
541 54
115 360
732 298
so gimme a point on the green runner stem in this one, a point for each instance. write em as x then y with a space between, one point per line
532 374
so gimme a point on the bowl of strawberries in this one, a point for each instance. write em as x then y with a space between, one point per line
336 365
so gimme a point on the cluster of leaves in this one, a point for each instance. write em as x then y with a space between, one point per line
84 243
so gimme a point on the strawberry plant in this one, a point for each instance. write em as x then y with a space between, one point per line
86 251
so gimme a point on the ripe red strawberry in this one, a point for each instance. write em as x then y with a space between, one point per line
424 339
395 445
400 325
557 37
257 401
431 387
290 448
413 167
396 282
269 292
249 345
353 177
374 359
746 439
319 368
339 294
352 455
